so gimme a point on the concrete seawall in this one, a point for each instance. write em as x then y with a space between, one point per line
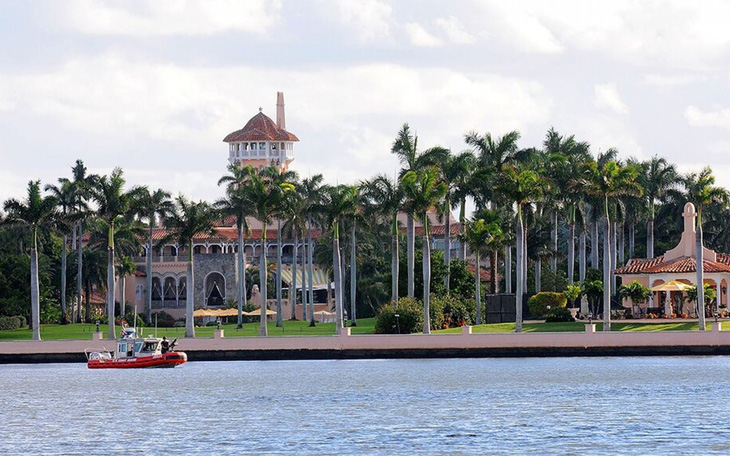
465 344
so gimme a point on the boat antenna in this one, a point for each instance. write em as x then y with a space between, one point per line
155 324
135 318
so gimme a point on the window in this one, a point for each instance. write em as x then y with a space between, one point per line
253 146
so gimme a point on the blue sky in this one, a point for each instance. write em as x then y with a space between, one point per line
153 87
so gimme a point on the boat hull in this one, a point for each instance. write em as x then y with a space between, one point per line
170 359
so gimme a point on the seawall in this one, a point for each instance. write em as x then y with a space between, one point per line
463 345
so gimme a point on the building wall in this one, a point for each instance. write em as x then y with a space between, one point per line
223 263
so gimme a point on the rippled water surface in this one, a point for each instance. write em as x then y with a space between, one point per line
462 406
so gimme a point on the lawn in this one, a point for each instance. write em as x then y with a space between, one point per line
365 326
289 328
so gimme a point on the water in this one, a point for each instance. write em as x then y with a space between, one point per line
465 406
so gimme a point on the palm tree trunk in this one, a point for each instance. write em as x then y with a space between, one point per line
519 290
190 299
394 262
122 294
353 277
554 237
73 247
293 287
426 278
110 283
614 254
35 295
462 221
79 270
508 269
148 297
278 274
263 329
524 260
621 245
447 246
538 275
411 263
632 234
700 273
571 253
343 282
607 273
304 279
63 280
337 268
582 254
310 249
240 289
594 244
478 287
650 238
494 287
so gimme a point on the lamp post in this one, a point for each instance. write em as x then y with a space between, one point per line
397 321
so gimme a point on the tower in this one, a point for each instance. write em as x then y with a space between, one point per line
261 142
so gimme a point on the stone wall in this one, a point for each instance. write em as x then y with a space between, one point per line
223 263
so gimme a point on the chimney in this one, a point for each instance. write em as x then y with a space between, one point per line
280 122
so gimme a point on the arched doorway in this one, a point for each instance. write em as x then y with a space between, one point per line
215 290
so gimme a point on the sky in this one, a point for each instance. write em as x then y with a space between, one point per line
154 87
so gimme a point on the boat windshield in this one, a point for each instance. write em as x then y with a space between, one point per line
149 346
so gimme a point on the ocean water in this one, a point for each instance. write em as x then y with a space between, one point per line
579 406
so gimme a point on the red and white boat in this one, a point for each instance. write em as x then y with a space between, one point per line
136 352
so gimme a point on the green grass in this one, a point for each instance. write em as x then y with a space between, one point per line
365 326
289 328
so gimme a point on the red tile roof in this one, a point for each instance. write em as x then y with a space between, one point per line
679 265
260 128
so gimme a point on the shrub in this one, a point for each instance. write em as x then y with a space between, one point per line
129 318
410 317
539 303
436 312
9 323
558 314
164 320
23 321
456 312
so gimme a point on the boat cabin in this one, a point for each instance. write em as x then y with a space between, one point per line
131 346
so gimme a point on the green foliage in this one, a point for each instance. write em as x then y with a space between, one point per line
593 274
691 294
540 302
129 318
456 311
461 282
164 320
634 291
553 280
436 311
572 293
557 314
593 290
10 323
409 320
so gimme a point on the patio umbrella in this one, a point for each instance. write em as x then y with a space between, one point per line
672 285
205 313
257 312
227 313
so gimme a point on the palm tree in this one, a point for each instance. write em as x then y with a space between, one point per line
337 203
701 191
295 227
236 204
310 190
187 220
424 190
406 148
479 235
151 205
607 180
36 212
82 185
64 194
266 191
657 177
125 267
456 172
385 198
112 202
522 187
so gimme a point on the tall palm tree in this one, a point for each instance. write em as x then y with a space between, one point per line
112 202
424 190
336 204
607 180
82 185
701 191
266 191
385 197
125 267
456 172
236 204
406 148
64 194
479 235
36 212
310 190
657 176
522 187
151 205
295 227
187 220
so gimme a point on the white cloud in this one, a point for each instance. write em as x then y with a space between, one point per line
368 20
454 30
607 96
182 17
418 36
699 118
